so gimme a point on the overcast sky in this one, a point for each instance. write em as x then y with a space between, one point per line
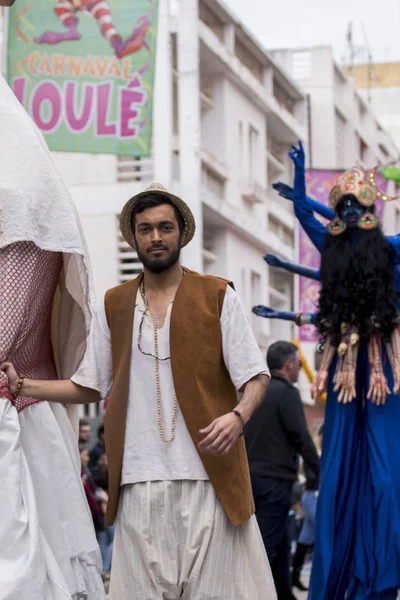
277 24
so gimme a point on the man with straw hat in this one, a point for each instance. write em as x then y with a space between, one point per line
172 349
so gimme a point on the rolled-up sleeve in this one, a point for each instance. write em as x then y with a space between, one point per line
242 356
97 362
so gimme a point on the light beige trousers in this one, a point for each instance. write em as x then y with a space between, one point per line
173 540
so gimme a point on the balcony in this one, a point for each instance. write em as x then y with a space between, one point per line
253 192
216 59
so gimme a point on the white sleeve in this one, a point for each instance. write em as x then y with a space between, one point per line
97 362
242 356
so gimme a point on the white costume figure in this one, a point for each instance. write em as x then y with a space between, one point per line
48 548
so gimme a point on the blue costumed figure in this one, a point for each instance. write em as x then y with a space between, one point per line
357 547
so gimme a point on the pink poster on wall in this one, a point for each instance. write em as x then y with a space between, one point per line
319 183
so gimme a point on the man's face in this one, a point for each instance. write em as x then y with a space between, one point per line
157 238
84 458
293 368
85 433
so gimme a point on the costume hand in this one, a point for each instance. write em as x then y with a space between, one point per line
378 388
396 376
319 384
298 156
347 386
221 435
273 260
284 190
265 311
12 376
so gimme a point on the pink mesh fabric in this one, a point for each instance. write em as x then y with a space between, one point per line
28 282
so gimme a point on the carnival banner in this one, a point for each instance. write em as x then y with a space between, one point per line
84 70
319 183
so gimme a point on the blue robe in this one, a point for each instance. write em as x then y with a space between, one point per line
357 546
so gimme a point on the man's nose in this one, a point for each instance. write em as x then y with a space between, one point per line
155 235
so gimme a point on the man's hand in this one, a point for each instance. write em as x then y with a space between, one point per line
12 375
221 435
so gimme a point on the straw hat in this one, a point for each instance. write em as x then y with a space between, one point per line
157 189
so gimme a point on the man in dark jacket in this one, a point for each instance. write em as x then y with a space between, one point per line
275 437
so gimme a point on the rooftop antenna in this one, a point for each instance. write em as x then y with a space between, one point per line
349 38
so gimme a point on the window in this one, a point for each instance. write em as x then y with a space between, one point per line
301 65
248 59
340 130
129 264
130 168
253 152
212 183
211 20
283 98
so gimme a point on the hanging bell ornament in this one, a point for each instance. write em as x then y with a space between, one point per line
342 349
344 328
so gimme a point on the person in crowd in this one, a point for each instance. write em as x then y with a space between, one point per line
275 437
85 431
99 449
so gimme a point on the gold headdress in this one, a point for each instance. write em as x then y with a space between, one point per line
365 189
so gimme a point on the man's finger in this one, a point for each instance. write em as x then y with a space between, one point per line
210 438
208 429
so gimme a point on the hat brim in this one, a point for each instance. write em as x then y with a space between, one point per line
125 220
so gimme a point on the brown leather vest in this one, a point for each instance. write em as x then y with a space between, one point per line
202 384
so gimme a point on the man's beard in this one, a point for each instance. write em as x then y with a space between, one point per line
159 265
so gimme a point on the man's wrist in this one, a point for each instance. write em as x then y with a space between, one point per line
240 418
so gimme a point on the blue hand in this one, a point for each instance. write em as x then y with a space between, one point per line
298 156
274 261
271 313
284 190
266 312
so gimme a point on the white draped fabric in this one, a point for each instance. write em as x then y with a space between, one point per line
48 548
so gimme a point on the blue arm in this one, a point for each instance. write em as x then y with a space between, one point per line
286 191
321 209
280 263
314 229
270 313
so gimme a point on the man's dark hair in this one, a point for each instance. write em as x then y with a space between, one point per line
100 431
152 201
278 353
83 423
